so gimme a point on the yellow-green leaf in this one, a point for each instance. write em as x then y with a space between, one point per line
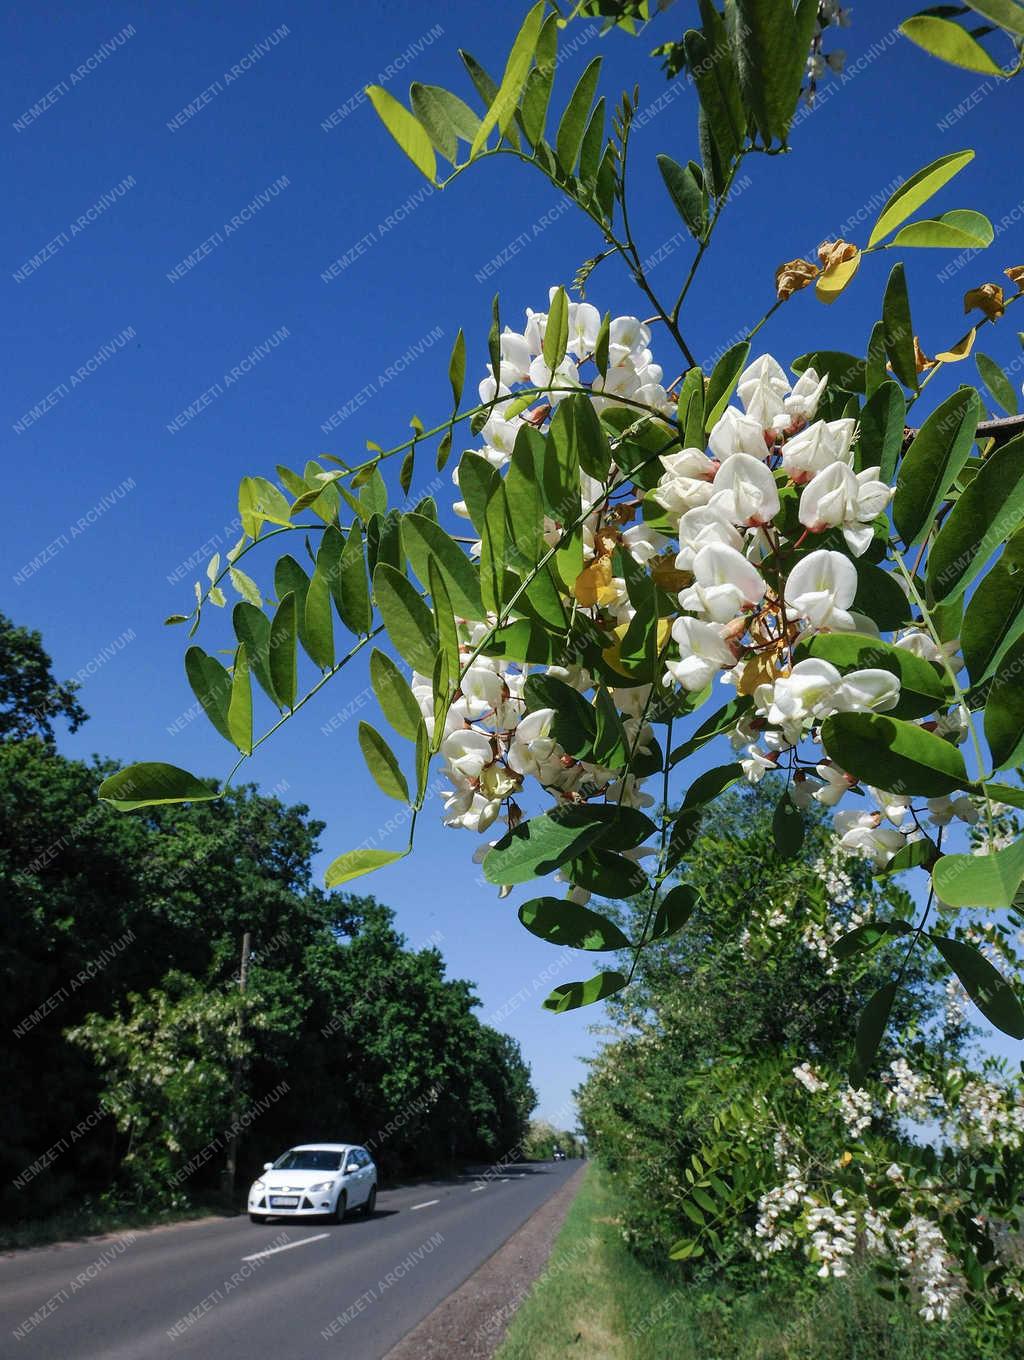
355 863
961 227
503 107
240 702
382 764
151 783
835 278
406 130
949 42
918 189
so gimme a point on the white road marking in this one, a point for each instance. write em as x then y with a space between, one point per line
425 1205
476 1188
287 1247
504 1180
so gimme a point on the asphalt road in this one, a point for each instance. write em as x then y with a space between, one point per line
289 1289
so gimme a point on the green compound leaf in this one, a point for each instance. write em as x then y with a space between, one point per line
355 863
916 191
1004 710
563 922
406 130
407 619
894 755
571 995
674 910
870 1028
986 987
991 880
950 43
933 462
151 783
382 763
988 511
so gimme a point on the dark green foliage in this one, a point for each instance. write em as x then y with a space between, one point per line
717 1016
30 697
136 922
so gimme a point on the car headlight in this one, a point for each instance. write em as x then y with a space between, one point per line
258 1185
320 1187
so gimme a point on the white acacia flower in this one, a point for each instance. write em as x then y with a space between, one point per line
725 584
533 331
482 688
733 433
516 358
802 402
894 806
919 642
746 732
860 834
840 498
809 1078
795 697
534 750
467 752
835 783
627 335
629 793
686 481
762 388
700 526
642 542
818 447
745 490
804 790
821 588
814 688
500 438
702 653
632 703
474 813
584 325
941 811
756 765
565 375
868 689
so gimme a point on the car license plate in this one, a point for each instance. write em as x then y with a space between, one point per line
283 1201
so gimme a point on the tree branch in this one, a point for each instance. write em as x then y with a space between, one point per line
1001 430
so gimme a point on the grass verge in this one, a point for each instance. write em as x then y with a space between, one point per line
596 1300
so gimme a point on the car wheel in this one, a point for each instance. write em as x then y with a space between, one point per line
257 1218
340 1209
371 1203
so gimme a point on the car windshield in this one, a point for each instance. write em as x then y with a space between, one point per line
315 1159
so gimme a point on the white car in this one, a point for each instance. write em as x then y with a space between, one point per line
316 1178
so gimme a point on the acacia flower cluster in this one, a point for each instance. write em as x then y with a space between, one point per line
759 533
806 1211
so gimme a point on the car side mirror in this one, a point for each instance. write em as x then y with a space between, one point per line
268 1166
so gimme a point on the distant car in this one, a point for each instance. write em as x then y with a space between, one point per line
316 1178
558 1155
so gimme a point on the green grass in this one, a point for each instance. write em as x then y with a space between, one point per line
598 1302
90 1219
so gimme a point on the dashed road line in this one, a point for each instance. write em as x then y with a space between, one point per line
425 1205
271 1251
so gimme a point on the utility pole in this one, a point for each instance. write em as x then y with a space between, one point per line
236 1079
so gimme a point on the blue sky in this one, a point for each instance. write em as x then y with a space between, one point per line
138 137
